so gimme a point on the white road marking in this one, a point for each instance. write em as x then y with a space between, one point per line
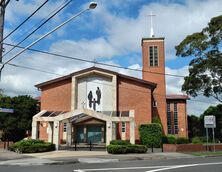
184 166
124 168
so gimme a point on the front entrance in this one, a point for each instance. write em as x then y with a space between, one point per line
94 134
90 133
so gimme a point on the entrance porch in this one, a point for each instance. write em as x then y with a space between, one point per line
80 126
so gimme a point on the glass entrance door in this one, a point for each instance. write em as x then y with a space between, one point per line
94 133
80 134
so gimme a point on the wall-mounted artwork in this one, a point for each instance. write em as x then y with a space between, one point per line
93 102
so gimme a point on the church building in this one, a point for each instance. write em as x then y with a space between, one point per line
98 105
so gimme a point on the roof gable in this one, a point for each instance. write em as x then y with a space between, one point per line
151 84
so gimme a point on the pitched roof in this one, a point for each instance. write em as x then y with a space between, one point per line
69 76
176 97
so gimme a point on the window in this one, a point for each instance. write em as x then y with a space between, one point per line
153 53
169 119
154 104
175 119
123 127
64 127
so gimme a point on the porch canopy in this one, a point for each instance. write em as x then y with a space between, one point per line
54 118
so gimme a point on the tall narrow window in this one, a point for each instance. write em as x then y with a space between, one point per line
175 118
169 119
123 127
153 53
64 127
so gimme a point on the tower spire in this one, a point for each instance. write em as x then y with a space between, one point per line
151 24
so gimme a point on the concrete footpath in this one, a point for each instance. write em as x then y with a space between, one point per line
69 157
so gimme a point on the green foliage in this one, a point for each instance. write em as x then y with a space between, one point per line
156 120
117 149
123 149
136 149
151 134
217 112
195 126
169 139
197 140
32 146
119 142
182 140
14 125
205 69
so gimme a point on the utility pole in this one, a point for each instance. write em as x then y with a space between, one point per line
3 5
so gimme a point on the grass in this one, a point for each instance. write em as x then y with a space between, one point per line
207 153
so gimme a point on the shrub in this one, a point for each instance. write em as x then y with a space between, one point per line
169 139
196 140
136 149
123 149
116 149
151 134
32 146
119 142
182 140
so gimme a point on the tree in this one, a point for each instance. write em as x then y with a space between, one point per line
217 112
14 125
205 70
195 127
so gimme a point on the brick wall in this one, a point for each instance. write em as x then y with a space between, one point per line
182 117
57 96
156 75
132 95
43 135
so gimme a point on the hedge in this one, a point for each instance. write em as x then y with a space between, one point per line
182 140
169 139
151 134
119 142
32 146
123 149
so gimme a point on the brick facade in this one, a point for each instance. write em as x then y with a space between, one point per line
156 74
133 95
182 117
56 96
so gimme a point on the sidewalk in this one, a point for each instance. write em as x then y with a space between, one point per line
67 157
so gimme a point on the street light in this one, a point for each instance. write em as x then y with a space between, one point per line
92 5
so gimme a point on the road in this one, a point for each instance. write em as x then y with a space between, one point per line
213 164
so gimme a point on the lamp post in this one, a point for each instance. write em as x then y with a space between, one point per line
92 5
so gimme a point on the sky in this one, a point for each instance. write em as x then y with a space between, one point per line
110 34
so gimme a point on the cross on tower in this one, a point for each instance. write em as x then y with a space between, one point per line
151 15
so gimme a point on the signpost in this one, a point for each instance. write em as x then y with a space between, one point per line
6 110
210 122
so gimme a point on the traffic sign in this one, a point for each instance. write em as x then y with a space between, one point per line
210 121
6 110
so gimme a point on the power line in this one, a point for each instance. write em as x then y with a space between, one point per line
33 69
91 6
39 22
39 26
25 20
93 62
43 71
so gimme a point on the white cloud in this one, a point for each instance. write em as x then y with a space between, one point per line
173 21
121 36
174 84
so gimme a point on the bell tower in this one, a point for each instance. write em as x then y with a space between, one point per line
153 55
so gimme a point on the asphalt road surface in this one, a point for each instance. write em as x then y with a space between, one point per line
213 164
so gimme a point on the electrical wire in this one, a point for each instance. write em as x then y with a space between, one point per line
60 9
39 22
24 21
129 88
93 62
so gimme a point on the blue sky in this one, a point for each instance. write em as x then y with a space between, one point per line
111 34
